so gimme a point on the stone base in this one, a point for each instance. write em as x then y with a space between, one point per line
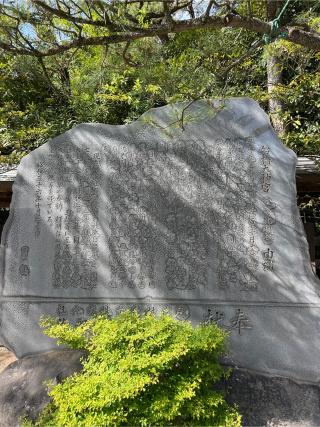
6 358
262 400
272 401
22 389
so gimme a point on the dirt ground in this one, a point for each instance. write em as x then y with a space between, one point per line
6 357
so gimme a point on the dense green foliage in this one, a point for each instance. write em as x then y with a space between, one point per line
310 212
141 370
42 97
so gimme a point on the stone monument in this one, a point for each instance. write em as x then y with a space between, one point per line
192 208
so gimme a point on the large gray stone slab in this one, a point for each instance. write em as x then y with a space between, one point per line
190 208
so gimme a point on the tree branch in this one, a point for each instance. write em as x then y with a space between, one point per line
308 39
65 15
296 35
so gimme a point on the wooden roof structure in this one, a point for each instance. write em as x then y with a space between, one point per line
308 174
7 177
307 178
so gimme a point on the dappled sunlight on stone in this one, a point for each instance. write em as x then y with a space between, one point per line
198 217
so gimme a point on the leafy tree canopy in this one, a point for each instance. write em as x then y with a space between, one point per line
47 27
65 62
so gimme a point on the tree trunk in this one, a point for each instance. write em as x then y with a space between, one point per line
274 76
276 107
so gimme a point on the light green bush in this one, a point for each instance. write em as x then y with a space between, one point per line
141 370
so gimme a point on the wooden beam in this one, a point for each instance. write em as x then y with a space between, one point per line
308 183
6 187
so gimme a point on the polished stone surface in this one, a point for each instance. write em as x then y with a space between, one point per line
192 208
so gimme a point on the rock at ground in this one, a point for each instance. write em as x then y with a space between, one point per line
262 400
6 357
22 389
273 401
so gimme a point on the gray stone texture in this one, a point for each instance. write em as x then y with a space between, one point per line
192 208
272 401
23 391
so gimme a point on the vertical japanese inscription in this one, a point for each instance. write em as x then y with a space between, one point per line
24 269
132 240
235 220
269 210
38 198
75 218
164 199
152 204
266 168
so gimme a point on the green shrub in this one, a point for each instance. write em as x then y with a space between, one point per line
141 370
